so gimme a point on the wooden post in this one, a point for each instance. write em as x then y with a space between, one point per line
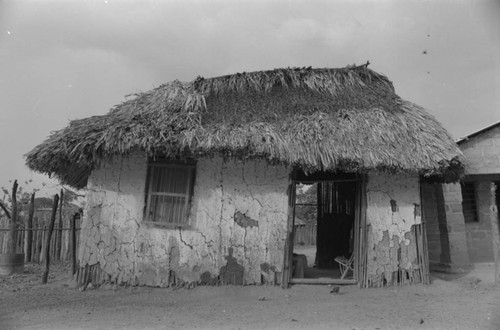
57 252
13 220
29 229
288 253
73 242
424 255
34 249
495 233
363 237
47 239
357 217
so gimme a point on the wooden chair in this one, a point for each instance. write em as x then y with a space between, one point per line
345 265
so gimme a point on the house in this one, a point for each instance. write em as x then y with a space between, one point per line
458 215
195 182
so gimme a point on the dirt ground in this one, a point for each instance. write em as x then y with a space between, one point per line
466 301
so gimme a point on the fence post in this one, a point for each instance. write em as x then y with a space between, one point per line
73 242
47 240
14 219
60 225
29 230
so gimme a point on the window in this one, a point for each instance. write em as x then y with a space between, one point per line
469 206
169 192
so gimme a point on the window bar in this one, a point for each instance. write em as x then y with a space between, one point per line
175 211
150 189
167 209
159 177
171 198
186 199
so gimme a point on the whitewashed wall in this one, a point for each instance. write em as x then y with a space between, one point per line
391 245
239 214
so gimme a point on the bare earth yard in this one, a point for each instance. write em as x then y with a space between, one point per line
468 301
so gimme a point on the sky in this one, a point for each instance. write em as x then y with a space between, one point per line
64 60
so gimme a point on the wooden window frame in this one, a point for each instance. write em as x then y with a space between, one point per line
190 167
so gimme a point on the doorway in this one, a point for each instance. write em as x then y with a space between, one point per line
326 217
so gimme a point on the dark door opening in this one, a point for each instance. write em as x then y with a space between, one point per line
325 222
335 237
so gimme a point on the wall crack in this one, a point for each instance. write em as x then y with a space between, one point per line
183 241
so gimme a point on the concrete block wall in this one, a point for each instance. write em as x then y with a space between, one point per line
483 157
479 238
452 194
483 152
445 226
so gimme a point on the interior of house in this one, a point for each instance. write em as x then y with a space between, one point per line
324 228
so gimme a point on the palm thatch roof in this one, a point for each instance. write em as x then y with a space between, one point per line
347 119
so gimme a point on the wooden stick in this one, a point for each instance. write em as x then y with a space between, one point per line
288 249
29 232
39 241
20 239
73 243
13 222
86 276
426 254
4 208
57 251
36 254
363 280
47 240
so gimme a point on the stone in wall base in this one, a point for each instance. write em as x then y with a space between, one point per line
450 268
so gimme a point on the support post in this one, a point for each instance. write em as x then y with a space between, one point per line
73 243
59 230
288 253
495 233
13 220
47 240
454 251
29 230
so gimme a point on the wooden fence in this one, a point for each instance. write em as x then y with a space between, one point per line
60 243
305 234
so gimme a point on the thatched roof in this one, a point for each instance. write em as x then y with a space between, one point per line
347 119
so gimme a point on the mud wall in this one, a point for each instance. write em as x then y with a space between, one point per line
238 226
393 209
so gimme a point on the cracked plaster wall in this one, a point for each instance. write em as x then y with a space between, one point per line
129 251
393 207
